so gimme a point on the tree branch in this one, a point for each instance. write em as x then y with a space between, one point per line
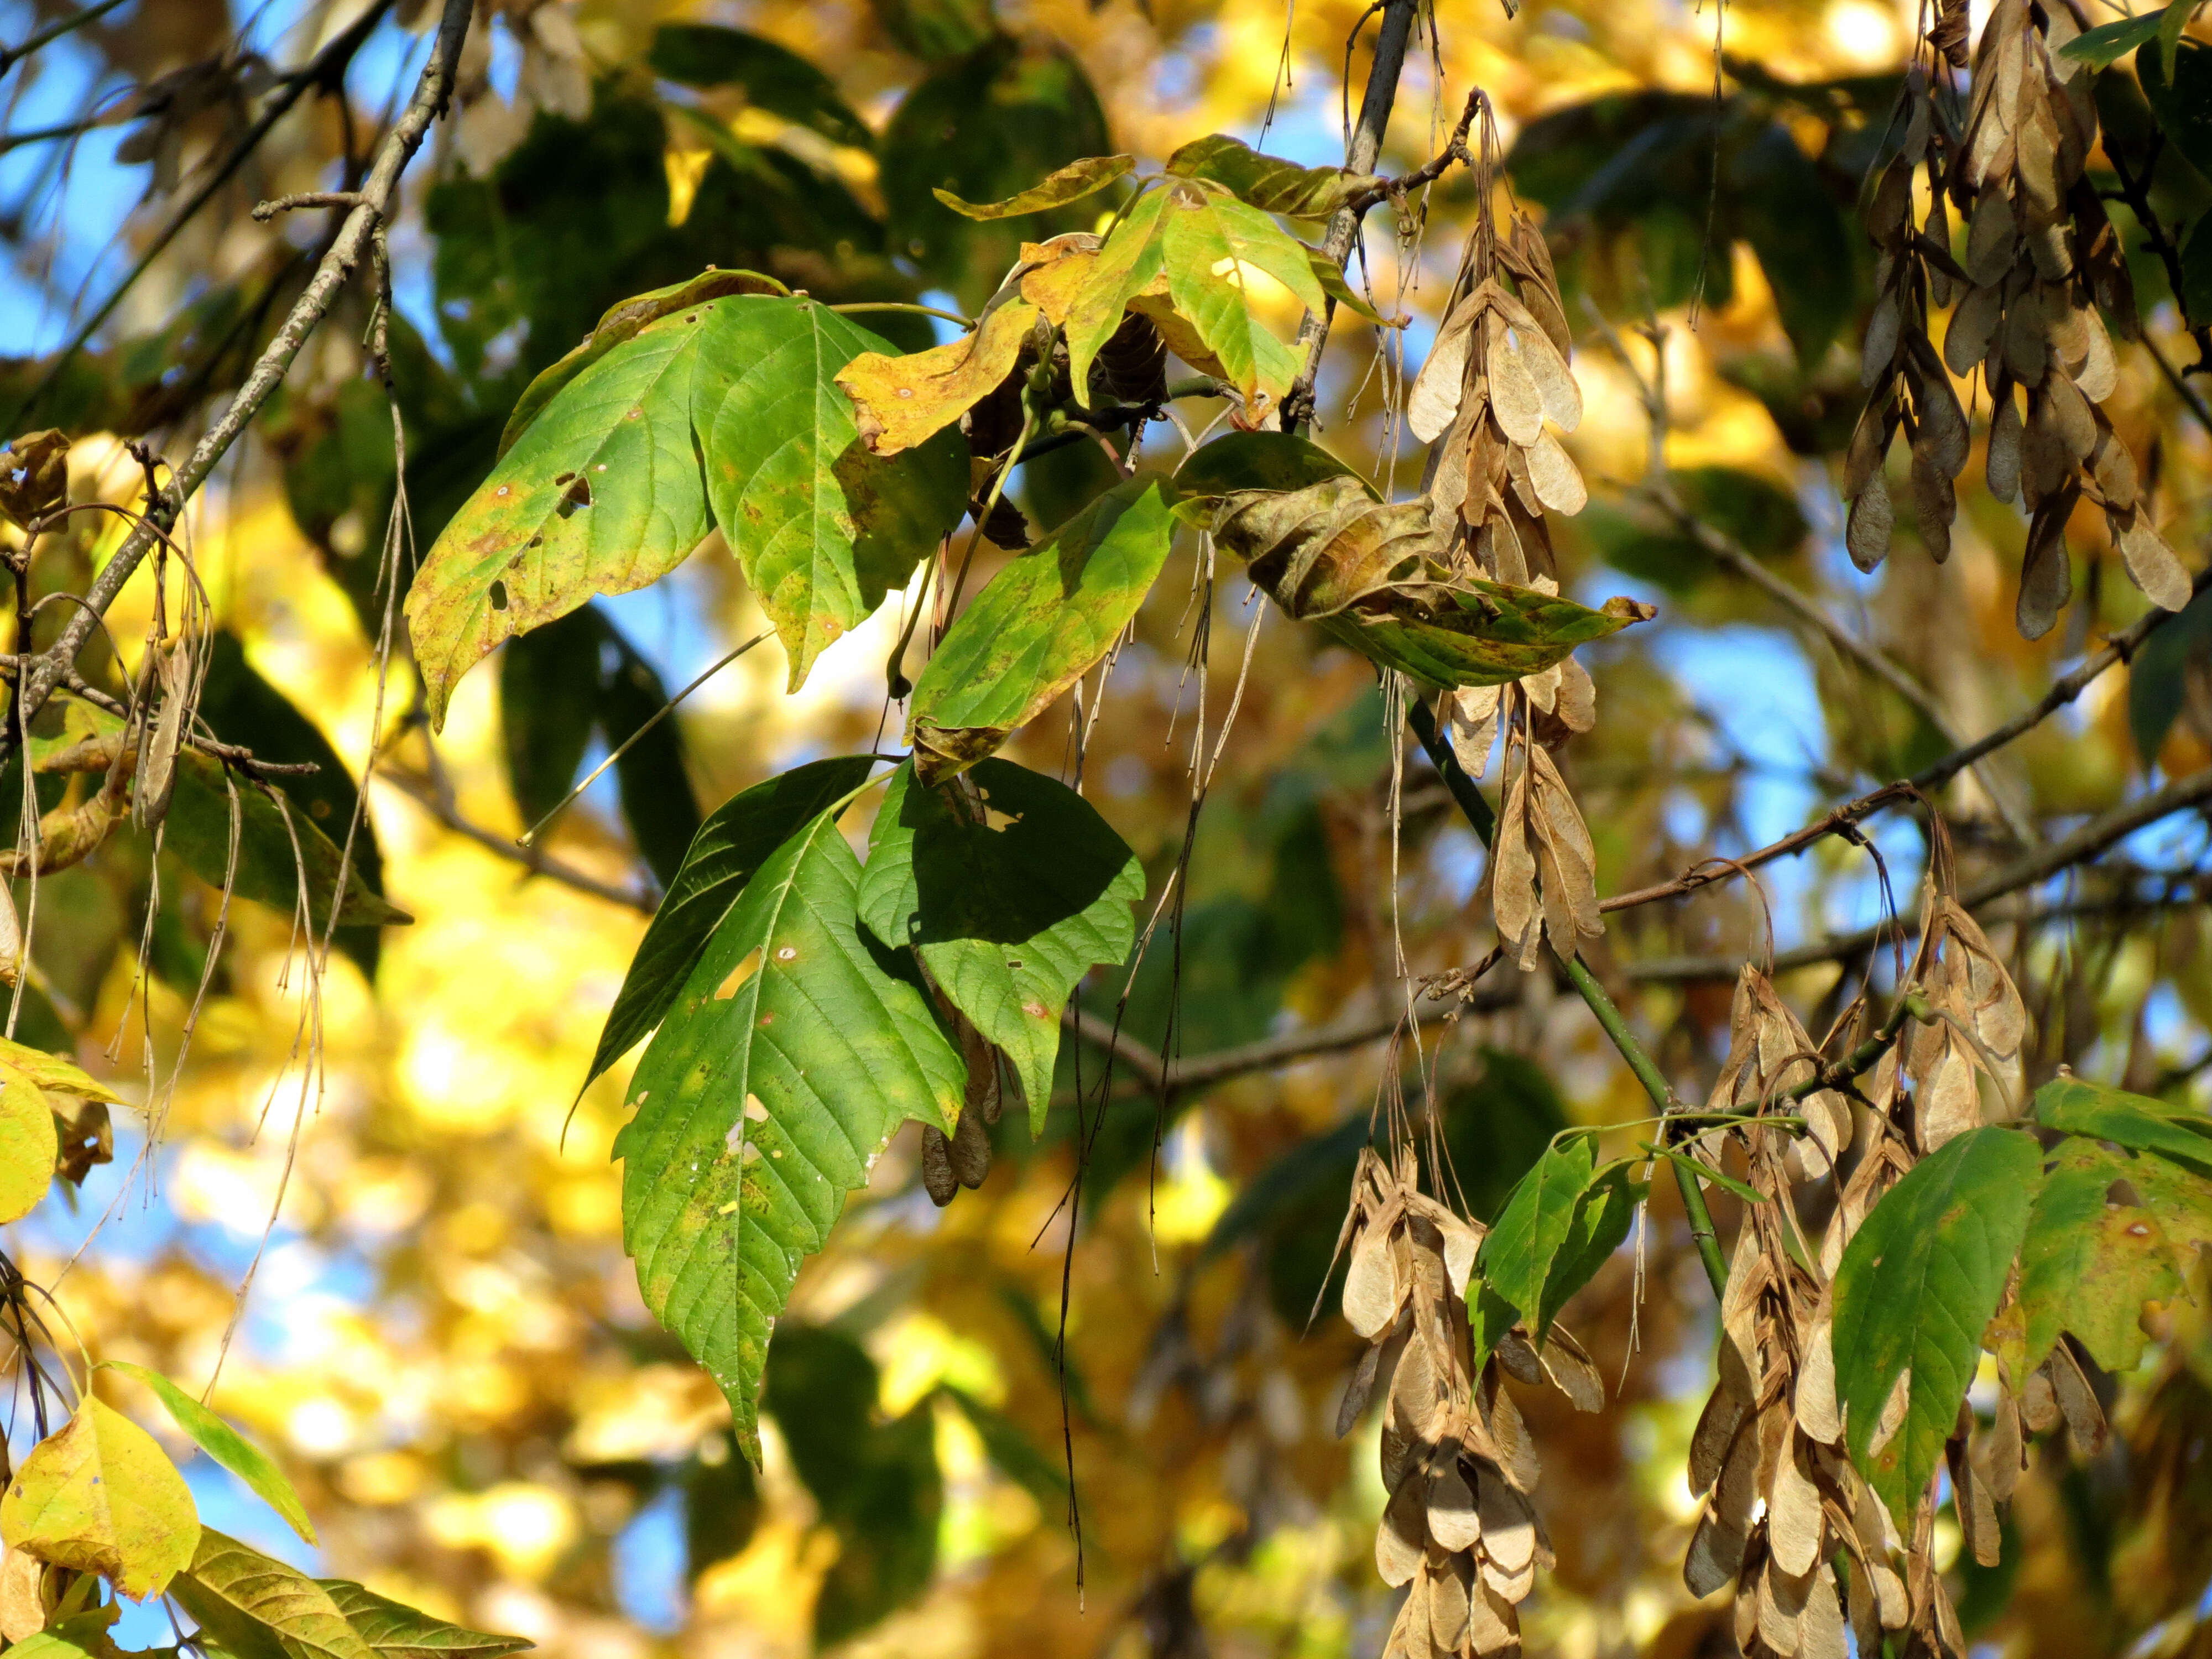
2085 843
345 253
1359 156
427 795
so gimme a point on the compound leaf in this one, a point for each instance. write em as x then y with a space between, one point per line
796 1046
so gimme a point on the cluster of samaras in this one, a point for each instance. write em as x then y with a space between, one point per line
1459 1527
2041 259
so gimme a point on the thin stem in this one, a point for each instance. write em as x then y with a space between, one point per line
900 305
11 55
1608 1013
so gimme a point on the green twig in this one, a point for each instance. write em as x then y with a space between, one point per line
901 305
1484 822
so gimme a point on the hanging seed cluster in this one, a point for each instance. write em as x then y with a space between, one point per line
1499 374
1809 1548
2041 259
1461 1530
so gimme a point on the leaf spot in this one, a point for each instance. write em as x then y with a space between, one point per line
755 1110
787 953
1035 1009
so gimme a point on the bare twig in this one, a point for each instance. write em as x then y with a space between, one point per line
2084 844
1706 871
436 801
265 211
11 56
1395 189
1359 156
346 251
229 754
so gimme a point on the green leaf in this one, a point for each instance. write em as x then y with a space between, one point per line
2088 1265
1007 915
1600 1222
2171 23
2110 42
1918 1282
2155 685
1041 624
774 77
600 493
984 128
394 1630
876 1483
1330 275
101 1496
822 529
621 323
733 843
260 1608
1268 182
2180 95
1129 262
2078 1107
1516 1257
1206 238
794 1050
270 864
226 1445
1257 460
1484 633
1070 184
1785 212
28 1145
45 1644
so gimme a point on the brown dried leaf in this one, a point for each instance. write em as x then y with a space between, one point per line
1515 398
2150 561
2047 579
1991 234
1867 530
1794 1523
1558 483
2004 453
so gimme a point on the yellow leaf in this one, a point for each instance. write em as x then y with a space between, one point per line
1058 270
900 401
102 1497
55 1074
28 1145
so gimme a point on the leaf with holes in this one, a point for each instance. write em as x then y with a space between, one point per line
1008 911
796 1046
226 1445
1918 1282
1268 182
733 843
1210 244
101 1496
600 493
394 1630
1069 183
823 528
256 1605
1042 622
2088 1265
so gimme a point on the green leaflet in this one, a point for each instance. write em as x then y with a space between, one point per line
1268 182
1918 1283
775 78
2088 1266
622 322
259 1608
1042 622
1256 460
1007 919
2137 1122
1127 264
600 493
1601 1221
1070 184
2110 42
795 1048
226 1445
823 528
733 842
1537 1221
396 1631
269 870
1201 233
559 683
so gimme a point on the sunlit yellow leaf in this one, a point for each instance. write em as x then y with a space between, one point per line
102 1497
28 1145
